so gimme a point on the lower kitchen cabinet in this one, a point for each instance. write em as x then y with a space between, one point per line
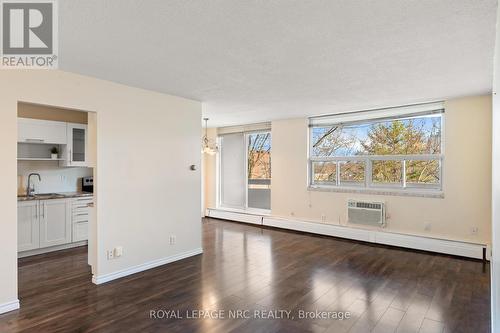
80 231
80 218
55 222
28 226
47 223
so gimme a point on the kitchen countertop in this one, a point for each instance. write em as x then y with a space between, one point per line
51 196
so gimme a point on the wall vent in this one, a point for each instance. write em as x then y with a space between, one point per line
367 213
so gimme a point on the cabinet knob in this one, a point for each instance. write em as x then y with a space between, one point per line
192 167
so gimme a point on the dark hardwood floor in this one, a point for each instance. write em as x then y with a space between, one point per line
250 268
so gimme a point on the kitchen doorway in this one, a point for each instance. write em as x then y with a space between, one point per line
56 164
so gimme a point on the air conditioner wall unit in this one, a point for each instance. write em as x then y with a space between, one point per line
366 213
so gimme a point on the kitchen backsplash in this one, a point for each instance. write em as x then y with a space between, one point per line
54 178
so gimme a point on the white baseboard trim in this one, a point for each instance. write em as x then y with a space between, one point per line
235 216
458 248
50 249
321 229
9 306
143 267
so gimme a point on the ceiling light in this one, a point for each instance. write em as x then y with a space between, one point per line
208 146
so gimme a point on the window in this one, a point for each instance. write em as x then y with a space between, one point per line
232 170
401 152
245 170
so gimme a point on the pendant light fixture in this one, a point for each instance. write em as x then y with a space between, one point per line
208 146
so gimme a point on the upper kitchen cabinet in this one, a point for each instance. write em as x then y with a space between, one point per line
37 137
41 131
75 153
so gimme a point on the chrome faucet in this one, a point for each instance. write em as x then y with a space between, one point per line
30 191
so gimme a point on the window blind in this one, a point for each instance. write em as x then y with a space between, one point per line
377 114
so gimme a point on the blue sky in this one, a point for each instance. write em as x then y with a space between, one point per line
360 133
267 143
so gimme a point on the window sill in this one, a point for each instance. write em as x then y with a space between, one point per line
385 191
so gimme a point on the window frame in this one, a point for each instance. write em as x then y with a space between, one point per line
369 185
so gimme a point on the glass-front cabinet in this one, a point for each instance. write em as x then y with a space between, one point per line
76 148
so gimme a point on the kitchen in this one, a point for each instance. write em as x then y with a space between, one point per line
55 180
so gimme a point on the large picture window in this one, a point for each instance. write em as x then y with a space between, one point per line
402 152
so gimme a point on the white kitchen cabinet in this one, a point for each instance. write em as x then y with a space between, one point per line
28 228
41 131
72 140
80 218
76 151
55 222
80 231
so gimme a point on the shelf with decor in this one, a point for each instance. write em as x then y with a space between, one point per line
38 152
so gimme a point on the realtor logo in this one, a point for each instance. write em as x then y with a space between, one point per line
29 34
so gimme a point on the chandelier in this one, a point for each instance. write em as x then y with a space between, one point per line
208 146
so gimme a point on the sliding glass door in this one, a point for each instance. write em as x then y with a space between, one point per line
259 170
245 170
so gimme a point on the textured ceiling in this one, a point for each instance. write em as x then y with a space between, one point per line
251 61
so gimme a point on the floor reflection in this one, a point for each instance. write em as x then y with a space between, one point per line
260 272
382 288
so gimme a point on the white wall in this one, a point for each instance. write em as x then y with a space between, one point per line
467 180
145 191
209 175
495 262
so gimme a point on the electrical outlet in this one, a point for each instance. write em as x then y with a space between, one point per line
428 226
110 254
292 213
323 218
118 251
474 230
172 240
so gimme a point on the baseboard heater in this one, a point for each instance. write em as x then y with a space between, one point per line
463 249
234 216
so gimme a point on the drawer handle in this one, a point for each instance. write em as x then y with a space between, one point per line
81 206
81 222
83 214
90 204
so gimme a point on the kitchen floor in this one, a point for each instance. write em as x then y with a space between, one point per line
251 268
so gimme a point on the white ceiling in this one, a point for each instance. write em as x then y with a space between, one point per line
252 61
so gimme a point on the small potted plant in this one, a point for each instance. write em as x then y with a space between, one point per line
54 152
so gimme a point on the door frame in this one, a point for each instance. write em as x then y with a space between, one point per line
91 162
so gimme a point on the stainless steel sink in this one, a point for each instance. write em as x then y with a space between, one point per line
24 198
40 196
49 196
